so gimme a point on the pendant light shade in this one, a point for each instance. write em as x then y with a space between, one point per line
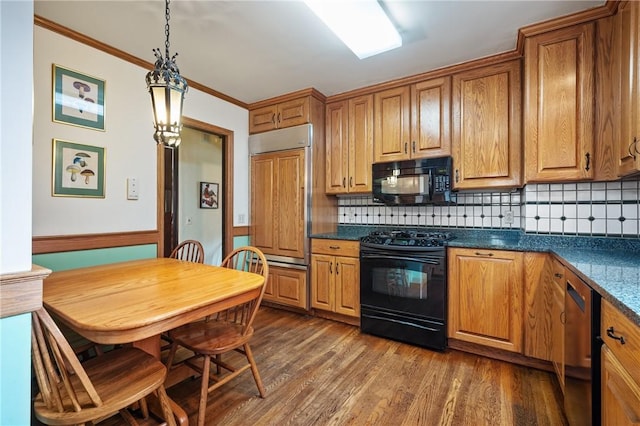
167 88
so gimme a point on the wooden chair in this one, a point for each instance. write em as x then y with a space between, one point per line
76 393
189 250
229 330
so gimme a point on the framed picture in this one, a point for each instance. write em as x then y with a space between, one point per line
78 99
208 195
78 170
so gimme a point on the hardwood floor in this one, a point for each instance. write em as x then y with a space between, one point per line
321 372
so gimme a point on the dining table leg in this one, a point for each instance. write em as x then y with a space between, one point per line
151 345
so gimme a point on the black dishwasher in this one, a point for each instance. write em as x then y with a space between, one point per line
582 353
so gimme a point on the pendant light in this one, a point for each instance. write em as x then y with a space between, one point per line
167 88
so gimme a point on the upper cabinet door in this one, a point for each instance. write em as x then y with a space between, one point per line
360 143
486 127
392 121
559 105
628 24
337 143
430 118
279 115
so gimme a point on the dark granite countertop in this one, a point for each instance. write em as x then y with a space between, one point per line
610 265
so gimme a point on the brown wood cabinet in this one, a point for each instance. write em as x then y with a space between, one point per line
487 141
279 115
620 368
486 297
287 286
349 131
538 302
335 276
627 22
559 105
413 121
277 202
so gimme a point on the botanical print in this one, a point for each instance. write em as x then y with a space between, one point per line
78 170
78 99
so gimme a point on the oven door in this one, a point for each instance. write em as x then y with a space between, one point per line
405 282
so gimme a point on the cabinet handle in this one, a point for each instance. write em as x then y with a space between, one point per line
337 268
563 318
334 247
634 144
557 275
331 267
588 158
413 146
484 254
611 333
278 117
273 118
344 182
405 147
457 176
351 182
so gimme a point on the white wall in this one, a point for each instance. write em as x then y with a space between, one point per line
16 38
130 150
16 100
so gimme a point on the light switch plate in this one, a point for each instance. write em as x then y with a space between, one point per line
132 188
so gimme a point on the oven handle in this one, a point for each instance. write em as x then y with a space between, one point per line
430 261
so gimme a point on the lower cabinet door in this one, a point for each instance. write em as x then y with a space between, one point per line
287 286
620 393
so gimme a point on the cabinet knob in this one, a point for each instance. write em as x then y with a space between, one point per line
612 333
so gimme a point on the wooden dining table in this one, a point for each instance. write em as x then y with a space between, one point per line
135 301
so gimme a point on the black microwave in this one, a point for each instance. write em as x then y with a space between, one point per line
413 182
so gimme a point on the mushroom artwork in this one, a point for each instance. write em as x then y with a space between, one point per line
74 170
87 173
83 88
79 158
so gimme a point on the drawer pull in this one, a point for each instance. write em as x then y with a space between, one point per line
334 247
611 333
484 254
557 275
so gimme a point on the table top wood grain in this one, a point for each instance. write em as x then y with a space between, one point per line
131 301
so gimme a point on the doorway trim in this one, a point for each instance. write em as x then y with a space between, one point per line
226 190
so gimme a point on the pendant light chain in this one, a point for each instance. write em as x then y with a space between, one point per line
166 26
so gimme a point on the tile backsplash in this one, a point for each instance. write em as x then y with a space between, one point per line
592 208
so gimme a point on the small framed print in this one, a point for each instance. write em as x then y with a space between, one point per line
208 195
78 170
78 99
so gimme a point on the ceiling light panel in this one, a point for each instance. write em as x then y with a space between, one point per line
361 24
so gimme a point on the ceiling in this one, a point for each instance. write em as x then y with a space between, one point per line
254 50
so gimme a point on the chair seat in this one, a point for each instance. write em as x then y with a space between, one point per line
121 377
211 337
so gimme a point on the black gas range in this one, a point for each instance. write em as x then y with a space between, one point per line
403 286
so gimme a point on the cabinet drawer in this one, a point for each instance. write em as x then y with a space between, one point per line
335 247
629 352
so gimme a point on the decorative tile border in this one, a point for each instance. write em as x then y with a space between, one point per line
609 209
